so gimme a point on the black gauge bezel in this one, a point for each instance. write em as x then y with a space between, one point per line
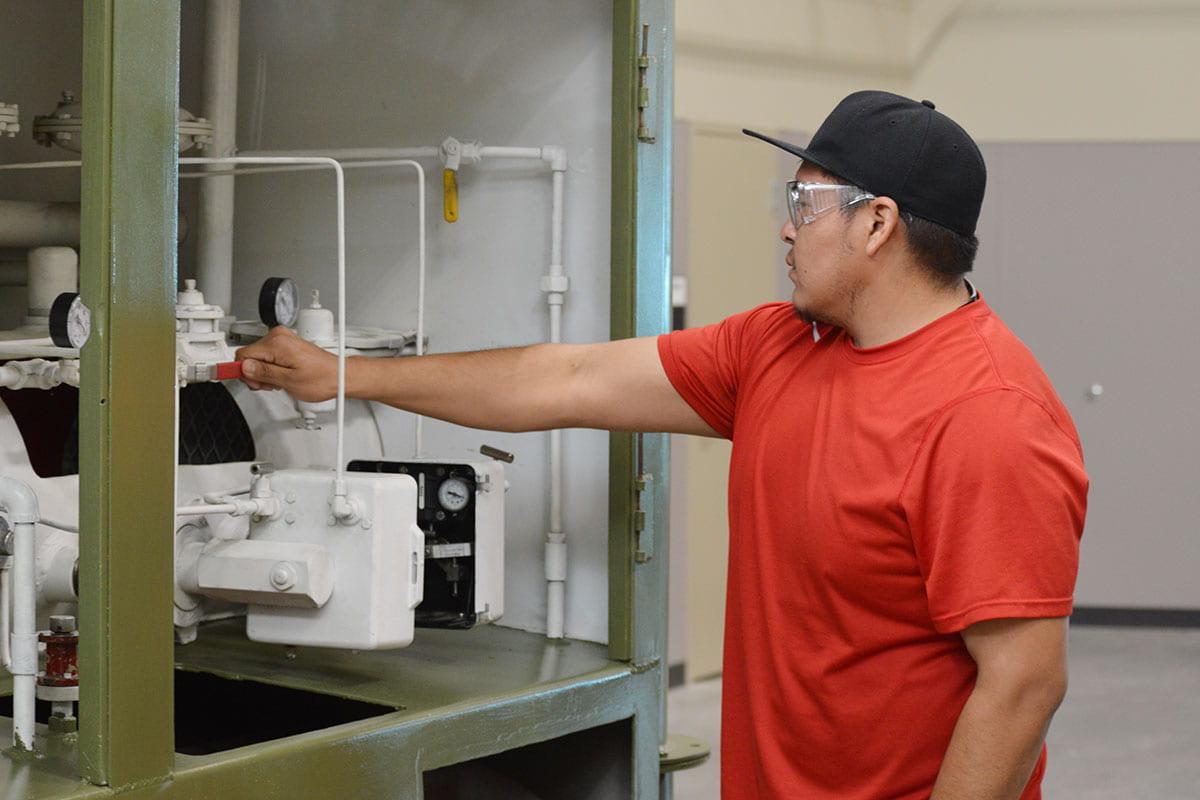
266 301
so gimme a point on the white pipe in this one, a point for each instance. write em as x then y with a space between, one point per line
510 152
5 613
52 271
358 153
217 497
556 538
21 503
426 151
15 349
214 245
207 508
27 224
34 224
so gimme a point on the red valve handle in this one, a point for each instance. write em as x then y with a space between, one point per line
230 370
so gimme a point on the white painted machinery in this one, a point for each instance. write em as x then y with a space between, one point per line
289 514
309 555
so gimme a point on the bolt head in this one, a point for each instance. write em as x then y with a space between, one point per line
62 623
283 576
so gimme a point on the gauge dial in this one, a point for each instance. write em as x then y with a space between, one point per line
70 321
278 302
453 494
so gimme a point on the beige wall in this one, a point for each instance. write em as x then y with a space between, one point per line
1074 71
1079 70
783 64
729 245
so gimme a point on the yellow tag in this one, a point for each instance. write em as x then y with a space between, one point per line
450 195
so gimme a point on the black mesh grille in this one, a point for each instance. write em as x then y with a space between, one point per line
212 429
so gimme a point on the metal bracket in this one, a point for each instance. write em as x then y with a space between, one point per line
682 752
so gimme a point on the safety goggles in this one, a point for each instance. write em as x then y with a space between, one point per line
807 201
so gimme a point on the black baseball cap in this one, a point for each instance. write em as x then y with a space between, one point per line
896 147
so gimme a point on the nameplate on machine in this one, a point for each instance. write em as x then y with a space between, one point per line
454 550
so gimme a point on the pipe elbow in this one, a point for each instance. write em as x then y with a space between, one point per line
19 500
556 157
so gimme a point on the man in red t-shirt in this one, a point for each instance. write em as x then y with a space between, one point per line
906 492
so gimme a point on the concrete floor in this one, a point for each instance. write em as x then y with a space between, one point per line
1130 727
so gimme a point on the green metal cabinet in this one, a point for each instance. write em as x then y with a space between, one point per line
505 689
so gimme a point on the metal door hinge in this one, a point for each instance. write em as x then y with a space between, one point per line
643 101
643 486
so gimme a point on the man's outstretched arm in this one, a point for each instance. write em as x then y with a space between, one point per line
617 385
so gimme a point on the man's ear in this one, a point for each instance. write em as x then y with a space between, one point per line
883 216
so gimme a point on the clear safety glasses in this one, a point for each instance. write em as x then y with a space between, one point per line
807 201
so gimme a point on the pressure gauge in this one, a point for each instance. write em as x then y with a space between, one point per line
70 321
453 494
278 302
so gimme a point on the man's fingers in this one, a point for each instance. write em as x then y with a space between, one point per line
262 373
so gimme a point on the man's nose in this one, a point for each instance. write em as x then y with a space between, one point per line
788 232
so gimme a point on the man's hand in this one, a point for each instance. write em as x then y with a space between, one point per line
1022 680
282 360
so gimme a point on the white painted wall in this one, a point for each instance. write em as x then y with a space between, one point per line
530 72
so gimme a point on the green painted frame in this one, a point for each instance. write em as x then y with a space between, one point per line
126 407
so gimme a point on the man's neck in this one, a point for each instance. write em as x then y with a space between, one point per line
890 312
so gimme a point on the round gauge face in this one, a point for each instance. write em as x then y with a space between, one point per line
453 494
79 323
70 321
279 302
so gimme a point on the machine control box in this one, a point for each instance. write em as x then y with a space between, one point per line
378 562
460 511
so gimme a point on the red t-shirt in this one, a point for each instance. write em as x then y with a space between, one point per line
880 501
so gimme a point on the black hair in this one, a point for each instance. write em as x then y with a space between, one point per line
945 254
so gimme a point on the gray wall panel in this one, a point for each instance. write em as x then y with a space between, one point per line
1087 252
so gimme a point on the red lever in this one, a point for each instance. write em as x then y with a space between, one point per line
230 370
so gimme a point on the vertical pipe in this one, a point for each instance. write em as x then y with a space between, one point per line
339 488
21 503
419 424
24 637
556 538
214 246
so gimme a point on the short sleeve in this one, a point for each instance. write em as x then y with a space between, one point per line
995 500
705 364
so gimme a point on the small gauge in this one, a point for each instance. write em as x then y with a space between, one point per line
278 302
70 321
453 494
